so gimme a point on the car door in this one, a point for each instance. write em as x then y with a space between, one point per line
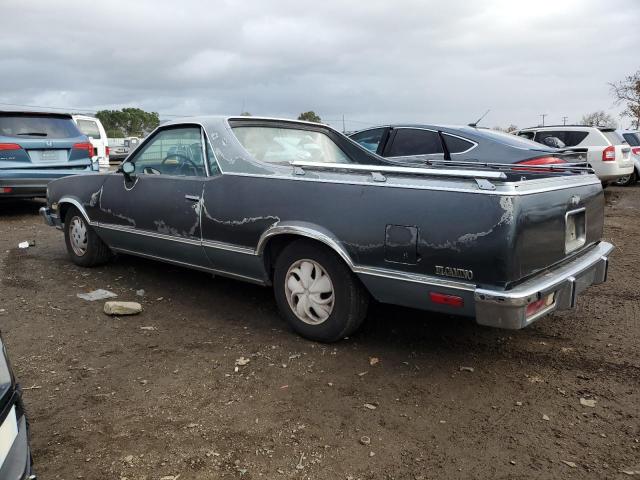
409 142
155 211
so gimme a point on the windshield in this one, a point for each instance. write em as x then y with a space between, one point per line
37 126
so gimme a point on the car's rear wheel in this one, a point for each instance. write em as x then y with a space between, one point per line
627 180
83 244
316 292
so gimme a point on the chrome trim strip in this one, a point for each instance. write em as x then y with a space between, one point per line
305 232
413 277
508 189
78 205
229 247
430 172
191 265
147 233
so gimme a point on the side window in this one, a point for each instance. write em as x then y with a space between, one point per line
369 139
89 128
173 151
282 146
411 141
574 138
632 139
457 144
527 135
214 169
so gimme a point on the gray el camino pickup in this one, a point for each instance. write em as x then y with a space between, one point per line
302 208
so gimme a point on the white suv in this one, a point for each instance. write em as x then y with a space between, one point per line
607 151
92 128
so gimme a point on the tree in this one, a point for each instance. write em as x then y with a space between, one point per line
128 122
627 92
599 119
510 129
246 114
310 116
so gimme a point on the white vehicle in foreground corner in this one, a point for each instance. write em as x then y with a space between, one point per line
93 129
607 151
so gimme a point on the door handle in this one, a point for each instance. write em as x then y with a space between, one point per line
192 198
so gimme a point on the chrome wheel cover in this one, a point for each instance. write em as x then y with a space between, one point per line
78 236
623 180
309 291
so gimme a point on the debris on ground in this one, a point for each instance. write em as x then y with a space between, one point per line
140 292
569 464
242 361
370 406
364 440
466 369
373 361
26 244
587 402
149 328
545 417
99 294
122 308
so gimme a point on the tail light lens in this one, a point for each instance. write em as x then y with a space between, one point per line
84 146
444 299
10 146
542 161
609 154
107 151
636 150
539 305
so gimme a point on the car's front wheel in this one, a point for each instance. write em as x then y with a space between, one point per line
316 292
83 244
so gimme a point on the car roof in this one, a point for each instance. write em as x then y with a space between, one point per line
39 114
567 127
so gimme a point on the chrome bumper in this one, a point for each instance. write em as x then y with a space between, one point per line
508 308
50 218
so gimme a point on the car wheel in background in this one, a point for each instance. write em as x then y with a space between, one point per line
627 180
83 244
316 292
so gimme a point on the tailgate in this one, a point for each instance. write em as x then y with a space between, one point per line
554 226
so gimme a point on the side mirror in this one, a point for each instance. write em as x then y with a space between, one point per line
128 168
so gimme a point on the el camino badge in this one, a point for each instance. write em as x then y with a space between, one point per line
454 272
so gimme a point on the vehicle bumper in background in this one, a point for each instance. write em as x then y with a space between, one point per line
50 217
23 187
508 308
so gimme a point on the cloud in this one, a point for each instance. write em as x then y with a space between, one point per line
374 62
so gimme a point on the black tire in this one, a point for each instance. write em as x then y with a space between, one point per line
350 298
96 252
627 181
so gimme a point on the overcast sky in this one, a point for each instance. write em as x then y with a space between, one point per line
373 61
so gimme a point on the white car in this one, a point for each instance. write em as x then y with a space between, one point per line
607 151
93 129
633 139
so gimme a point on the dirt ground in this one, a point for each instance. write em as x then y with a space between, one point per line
110 398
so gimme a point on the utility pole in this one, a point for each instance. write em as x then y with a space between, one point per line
564 120
543 115
344 130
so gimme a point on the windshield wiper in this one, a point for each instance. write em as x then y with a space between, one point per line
34 134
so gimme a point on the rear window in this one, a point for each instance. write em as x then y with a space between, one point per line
505 138
89 128
285 145
613 137
568 137
457 144
37 126
632 139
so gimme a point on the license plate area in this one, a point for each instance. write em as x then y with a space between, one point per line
48 156
575 230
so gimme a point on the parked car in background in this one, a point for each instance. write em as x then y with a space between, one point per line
633 139
15 454
327 223
413 144
92 128
36 148
607 151
121 147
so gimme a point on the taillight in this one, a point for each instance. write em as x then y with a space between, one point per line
84 146
539 305
10 146
444 299
542 161
636 151
609 154
107 151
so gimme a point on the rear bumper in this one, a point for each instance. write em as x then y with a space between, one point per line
508 308
24 187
